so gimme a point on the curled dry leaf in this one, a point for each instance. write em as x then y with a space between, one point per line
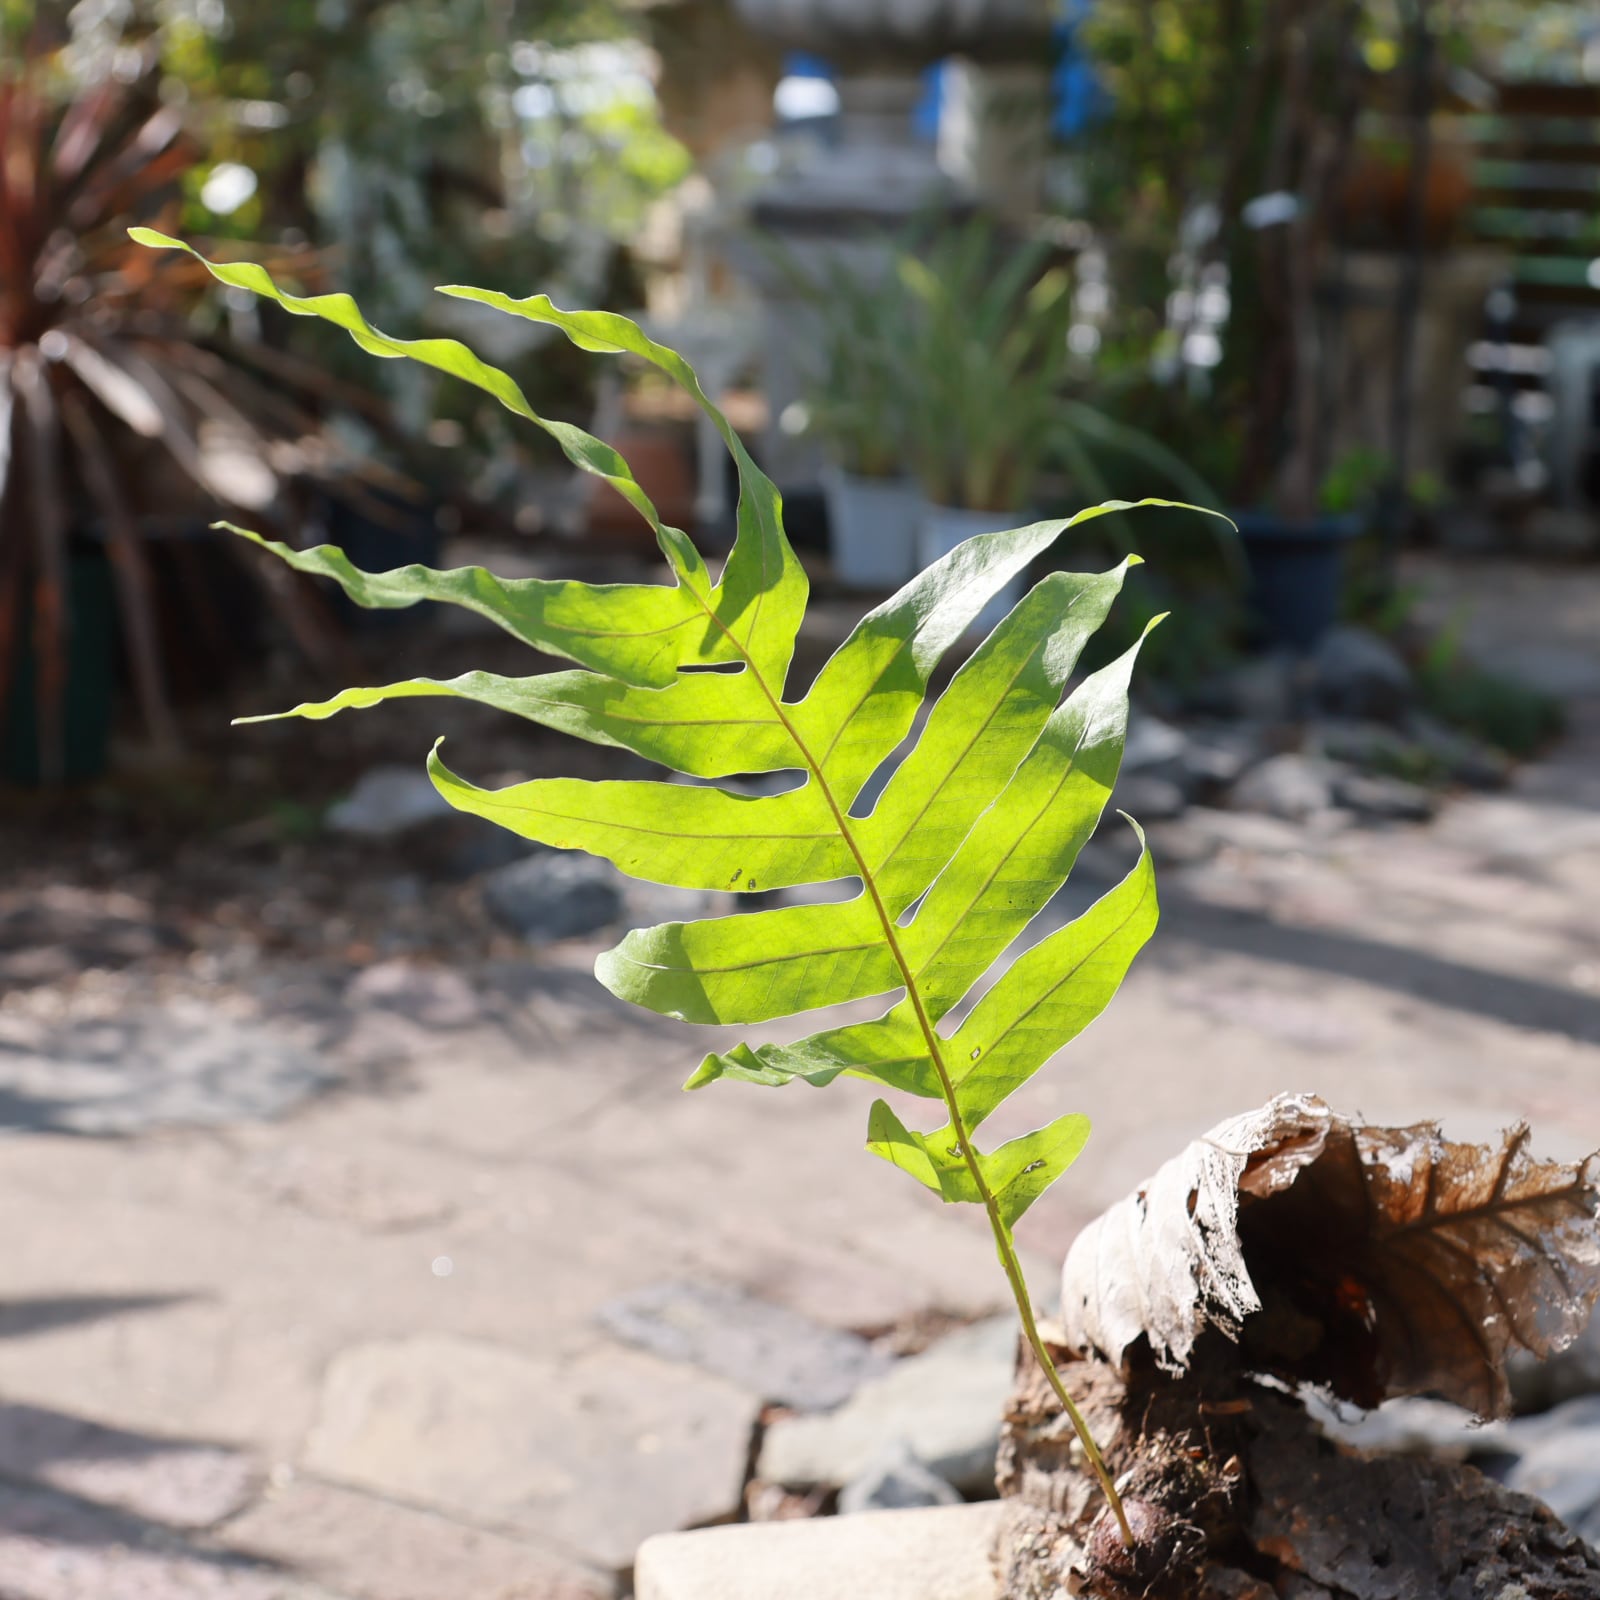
1368 1261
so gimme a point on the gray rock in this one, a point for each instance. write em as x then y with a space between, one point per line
1262 689
941 1553
1149 799
555 895
895 1481
1216 760
1571 1373
1361 675
1153 747
755 784
945 1404
437 997
475 847
1412 1426
1290 786
645 904
1462 758
774 1353
1372 746
387 801
1560 1461
1383 799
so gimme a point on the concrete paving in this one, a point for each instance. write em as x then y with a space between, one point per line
341 1336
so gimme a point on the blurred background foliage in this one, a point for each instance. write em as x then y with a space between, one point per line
410 143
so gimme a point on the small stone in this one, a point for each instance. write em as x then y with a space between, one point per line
1262 689
1560 1460
1372 746
933 1553
775 1353
1359 674
1569 1374
1462 759
895 1481
436 996
1153 747
1289 786
1149 799
387 801
1560 531
645 904
1412 1425
1383 799
1215 761
471 847
555 896
945 1404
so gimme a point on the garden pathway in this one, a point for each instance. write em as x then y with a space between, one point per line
326 1329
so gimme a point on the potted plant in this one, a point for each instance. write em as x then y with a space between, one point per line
984 368
856 410
988 399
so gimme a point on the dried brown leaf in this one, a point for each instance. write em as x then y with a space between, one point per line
1368 1261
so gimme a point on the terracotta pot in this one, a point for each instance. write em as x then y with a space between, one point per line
1375 198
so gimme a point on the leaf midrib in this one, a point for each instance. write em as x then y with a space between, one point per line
886 924
982 728
1011 850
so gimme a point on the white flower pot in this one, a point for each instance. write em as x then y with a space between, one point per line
942 528
872 529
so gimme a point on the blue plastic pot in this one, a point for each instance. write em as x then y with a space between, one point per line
1296 572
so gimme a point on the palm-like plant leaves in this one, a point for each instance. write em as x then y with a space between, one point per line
975 830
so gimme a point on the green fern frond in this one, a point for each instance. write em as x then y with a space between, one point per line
974 832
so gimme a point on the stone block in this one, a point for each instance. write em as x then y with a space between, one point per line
933 1553
553 895
944 1405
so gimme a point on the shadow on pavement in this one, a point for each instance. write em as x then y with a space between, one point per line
42 1313
1503 997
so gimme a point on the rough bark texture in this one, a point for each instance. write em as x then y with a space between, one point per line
1236 1495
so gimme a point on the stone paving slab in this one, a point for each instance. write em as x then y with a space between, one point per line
53 1548
389 1261
940 1553
374 1549
187 1063
169 1481
590 1455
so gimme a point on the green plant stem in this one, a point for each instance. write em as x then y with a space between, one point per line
1004 1244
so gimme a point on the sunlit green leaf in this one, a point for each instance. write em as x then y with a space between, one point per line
975 829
